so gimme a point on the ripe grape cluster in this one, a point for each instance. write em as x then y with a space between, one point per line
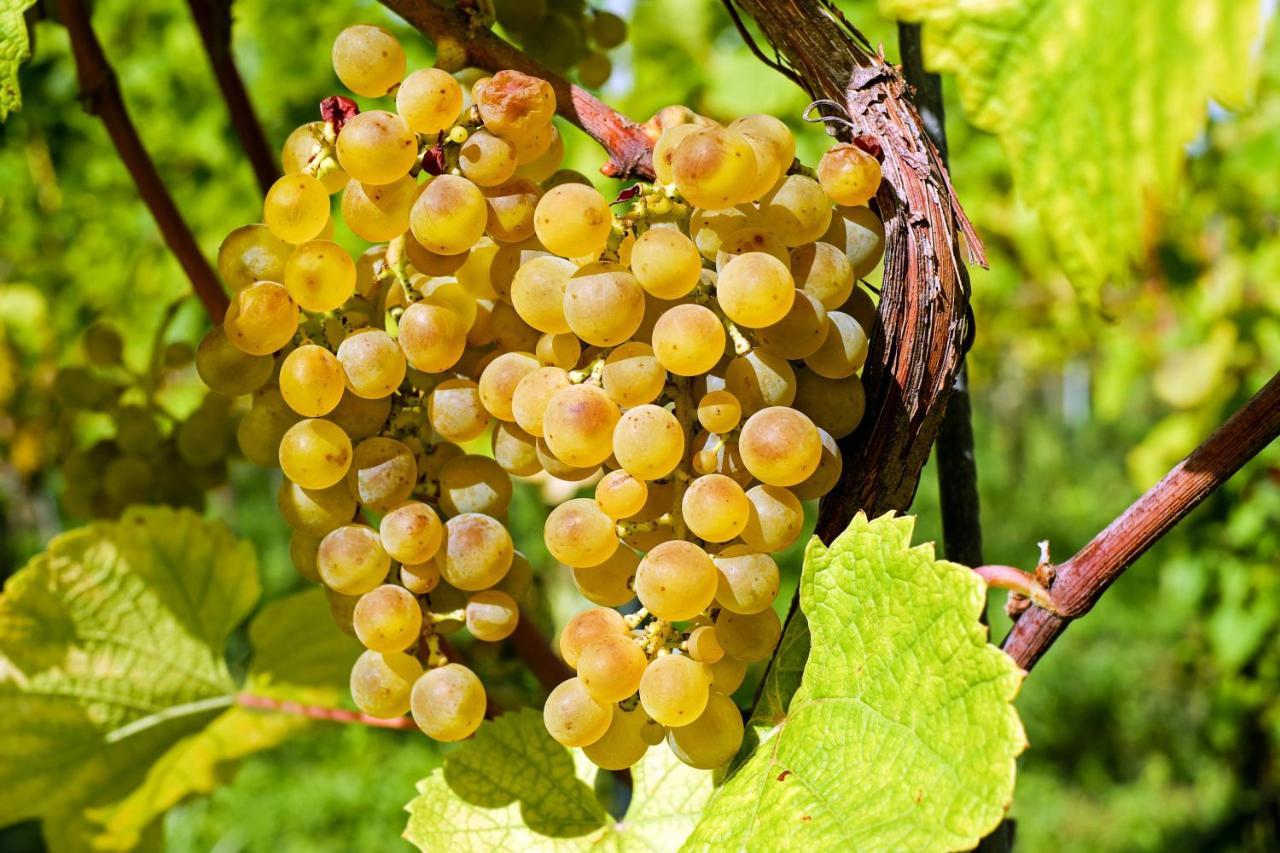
564 35
693 355
150 455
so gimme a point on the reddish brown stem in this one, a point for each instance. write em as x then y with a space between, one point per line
213 19
630 148
1076 585
534 649
101 94
316 712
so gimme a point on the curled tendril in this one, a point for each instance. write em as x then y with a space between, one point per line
841 117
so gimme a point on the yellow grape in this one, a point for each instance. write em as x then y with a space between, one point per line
666 263
755 290
578 425
780 446
760 379
411 533
609 584
420 578
449 215
665 150
383 472
623 743
302 553
688 340
748 637
546 164
533 393
703 645
429 100
474 483
387 619
315 453
360 417
455 411
674 690
381 683
573 220
823 271
432 337
711 740
368 60
515 105
603 304
491 615
261 430
632 375
302 147
499 380
727 674
351 560
512 333
621 495
561 351
511 208
487 160
747 580
773 144
726 459
585 628
861 307
296 208
715 508
800 333
428 262
477 552
751 239
710 228
448 703
261 318
676 580
312 381
849 175
719 411
835 405
315 512
373 362
379 212
797 210
827 474
560 469
844 350
320 276
446 292
227 369
776 518
580 534
537 293
611 668
515 450
252 253
377 147
860 234
648 442
714 167
573 716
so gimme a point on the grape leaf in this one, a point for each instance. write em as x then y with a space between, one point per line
901 735
512 787
15 48
115 699
1094 103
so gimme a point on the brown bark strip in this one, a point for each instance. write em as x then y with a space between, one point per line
101 94
630 148
917 345
1076 585
213 19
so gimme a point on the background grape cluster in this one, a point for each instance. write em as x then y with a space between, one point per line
699 341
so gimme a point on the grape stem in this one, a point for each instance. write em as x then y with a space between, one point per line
630 148
593 372
317 712
627 528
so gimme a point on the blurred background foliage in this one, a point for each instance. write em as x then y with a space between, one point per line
1154 723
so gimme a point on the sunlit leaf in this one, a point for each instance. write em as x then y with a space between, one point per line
14 50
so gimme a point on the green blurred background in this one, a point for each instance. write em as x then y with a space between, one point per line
1154 723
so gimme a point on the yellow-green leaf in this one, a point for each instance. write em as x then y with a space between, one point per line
15 47
901 736
111 650
1094 103
514 788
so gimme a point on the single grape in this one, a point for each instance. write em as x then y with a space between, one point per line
676 580
579 534
373 362
248 254
621 494
573 220
429 100
727 674
703 645
585 628
492 615
633 375
711 228
377 147
714 167
748 637
263 427
719 411
448 703
800 333
449 215
474 484
261 318
387 619
611 668
312 381
760 379
432 337
383 472
755 290
381 683
578 425
860 233
315 453
835 405
227 369
776 518
515 450
711 740
573 716
296 208
666 263
688 340
513 105
499 380
849 175
455 411
603 304
477 552
487 160
715 508
562 351
861 307
748 580
824 272
537 293
780 446
623 743
797 210
843 351
368 60
351 560
648 442
674 690
511 209
532 395
360 417
411 533
609 584
420 578
379 212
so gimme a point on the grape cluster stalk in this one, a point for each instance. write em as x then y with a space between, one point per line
691 352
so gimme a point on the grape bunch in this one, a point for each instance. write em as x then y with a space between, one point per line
564 35
721 332
149 454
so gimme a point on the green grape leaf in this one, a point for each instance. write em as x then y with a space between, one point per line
15 48
901 735
299 656
512 787
1094 103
